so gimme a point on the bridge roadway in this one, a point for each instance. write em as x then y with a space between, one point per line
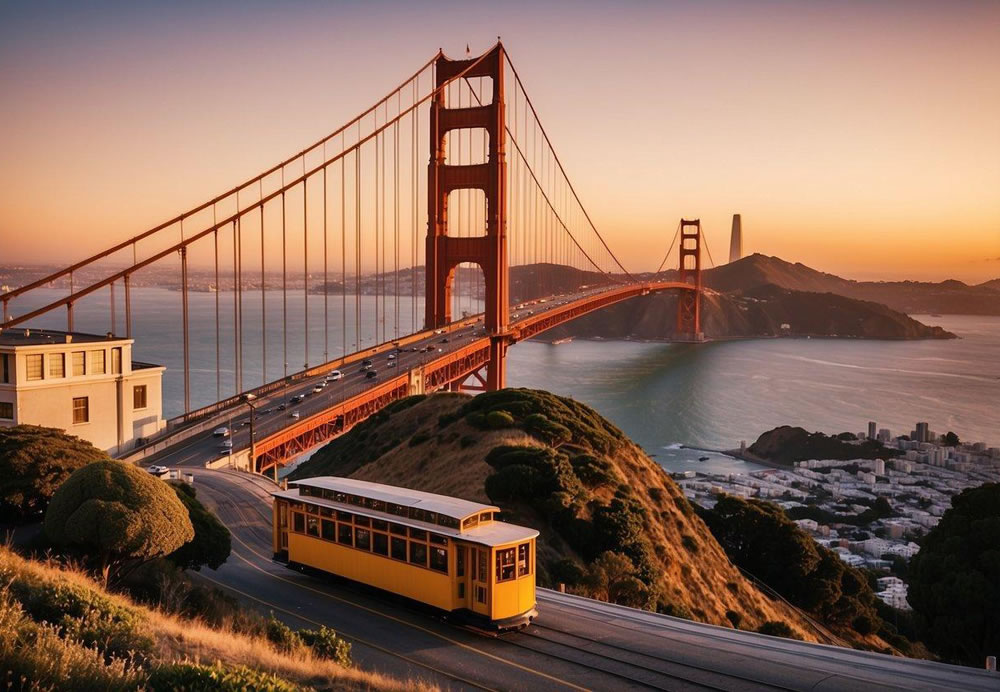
576 643
527 321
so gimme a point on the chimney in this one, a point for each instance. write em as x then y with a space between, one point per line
736 242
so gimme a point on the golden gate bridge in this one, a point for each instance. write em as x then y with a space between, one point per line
451 171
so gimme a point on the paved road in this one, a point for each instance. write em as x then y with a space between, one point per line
575 644
202 447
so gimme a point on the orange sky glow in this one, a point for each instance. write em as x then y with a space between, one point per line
859 138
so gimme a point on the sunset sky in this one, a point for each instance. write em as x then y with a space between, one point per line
861 138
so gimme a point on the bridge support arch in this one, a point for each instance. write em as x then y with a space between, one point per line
445 252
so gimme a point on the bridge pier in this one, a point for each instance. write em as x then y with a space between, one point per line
689 301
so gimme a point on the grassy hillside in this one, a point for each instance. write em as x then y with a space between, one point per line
59 630
613 524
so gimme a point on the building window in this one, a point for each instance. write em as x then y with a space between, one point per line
523 559
98 362
139 396
79 363
81 409
57 365
4 368
116 360
33 365
7 410
505 564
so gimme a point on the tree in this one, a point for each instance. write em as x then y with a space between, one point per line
951 439
954 585
34 461
117 517
212 542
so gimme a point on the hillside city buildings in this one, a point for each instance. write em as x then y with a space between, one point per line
85 384
918 485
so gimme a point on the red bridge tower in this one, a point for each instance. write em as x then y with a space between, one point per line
445 252
689 301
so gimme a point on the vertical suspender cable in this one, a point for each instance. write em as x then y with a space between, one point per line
343 253
326 277
218 289
284 276
357 244
236 318
239 292
184 327
395 219
263 296
305 260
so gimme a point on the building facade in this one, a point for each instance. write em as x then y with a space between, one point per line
85 384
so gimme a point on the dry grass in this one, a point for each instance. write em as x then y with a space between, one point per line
181 640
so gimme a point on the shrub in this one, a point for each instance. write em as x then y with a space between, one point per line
776 628
497 420
467 441
419 438
688 541
677 610
326 644
566 571
517 482
734 618
34 462
593 471
193 677
117 516
683 505
281 635
211 544
549 432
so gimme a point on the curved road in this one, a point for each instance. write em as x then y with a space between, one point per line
576 643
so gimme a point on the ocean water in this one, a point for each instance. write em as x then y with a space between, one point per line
708 395
714 395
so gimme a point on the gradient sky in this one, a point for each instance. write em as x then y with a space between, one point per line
861 138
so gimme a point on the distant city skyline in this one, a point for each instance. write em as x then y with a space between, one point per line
857 138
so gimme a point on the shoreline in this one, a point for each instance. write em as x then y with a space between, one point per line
741 456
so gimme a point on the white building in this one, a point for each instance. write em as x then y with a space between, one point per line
85 384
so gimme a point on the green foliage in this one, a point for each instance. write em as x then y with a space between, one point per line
612 577
34 462
566 571
281 635
499 419
211 544
553 419
593 471
776 628
675 610
41 656
117 515
683 505
734 618
954 585
759 538
951 439
688 541
326 644
529 474
193 677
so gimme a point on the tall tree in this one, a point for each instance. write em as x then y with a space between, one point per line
954 581
212 542
117 516
34 461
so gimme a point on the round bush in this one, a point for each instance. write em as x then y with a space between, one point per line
499 419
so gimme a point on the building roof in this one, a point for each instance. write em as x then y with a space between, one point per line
29 336
430 502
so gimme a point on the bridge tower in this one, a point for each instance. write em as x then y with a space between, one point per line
445 252
689 301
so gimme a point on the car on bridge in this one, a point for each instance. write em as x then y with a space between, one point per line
296 399
451 554
295 414
334 375
391 364
226 445
221 432
318 388
371 374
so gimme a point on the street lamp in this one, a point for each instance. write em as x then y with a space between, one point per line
248 400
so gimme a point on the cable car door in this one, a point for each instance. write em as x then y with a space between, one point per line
480 581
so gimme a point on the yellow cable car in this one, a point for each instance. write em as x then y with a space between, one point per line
449 553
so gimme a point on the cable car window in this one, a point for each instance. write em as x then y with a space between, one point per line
361 521
325 512
470 522
398 510
312 526
329 530
378 505
483 574
431 518
344 516
505 564
328 494
439 559
312 509
398 548
439 540
486 516
295 505
449 522
356 500
523 559
418 554
298 522
380 544
419 534
340 497
461 589
481 594
345 534
380 524
397 529
460 564
362 539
